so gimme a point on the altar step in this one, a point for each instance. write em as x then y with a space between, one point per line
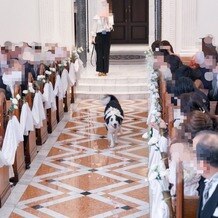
123 88
120 95
125 81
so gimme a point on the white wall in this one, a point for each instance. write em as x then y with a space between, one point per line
56 20
207 19
186 21
50 21
19 21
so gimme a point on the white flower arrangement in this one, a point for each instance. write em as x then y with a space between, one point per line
158 172
75 53
64 63
25 92
40 77
154 142
18 97
80 50
30 88
14 103
40 80
47 72
149 53
51 70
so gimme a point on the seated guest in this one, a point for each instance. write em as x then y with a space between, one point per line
174 63
181 150
186 71
209 48
166 48
183 85
155 46
194 101
186 85
41 69
207 156
198 121
6 89
213 93
205 71
158 60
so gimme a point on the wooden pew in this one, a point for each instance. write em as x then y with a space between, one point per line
186 60
5 189
186 206
52 115
67 100
30 147
214 107
59 102
72 95
19 163
42 133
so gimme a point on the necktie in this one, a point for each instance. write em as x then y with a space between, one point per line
206 192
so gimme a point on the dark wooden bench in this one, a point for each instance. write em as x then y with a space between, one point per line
5 189
30 147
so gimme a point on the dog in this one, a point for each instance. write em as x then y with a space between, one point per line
113 117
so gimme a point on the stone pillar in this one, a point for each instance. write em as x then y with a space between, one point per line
158 22
56 22
186 24
179 22
81 31
151 21
169 21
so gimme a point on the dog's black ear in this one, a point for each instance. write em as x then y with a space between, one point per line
107 120
119 119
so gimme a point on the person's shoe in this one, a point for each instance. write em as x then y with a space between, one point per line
104 74
100 74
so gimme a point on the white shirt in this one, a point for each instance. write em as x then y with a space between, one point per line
101 24
214 180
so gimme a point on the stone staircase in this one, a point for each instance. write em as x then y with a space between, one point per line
125 81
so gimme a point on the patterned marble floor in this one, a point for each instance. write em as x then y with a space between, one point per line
82 177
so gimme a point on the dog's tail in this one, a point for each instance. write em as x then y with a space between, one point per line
107 98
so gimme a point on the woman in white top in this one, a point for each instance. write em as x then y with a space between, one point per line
101 37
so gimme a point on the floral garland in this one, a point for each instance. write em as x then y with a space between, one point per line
75 53
14 104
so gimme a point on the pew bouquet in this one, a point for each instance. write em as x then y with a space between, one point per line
14 104
75 53
41 79
160 173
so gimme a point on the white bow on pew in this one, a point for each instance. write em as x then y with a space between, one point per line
75 71
26 119
49 97
158 183
65 79
59 87
38 110
13 136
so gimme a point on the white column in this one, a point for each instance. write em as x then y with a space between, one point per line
179 23
66 16
186 23
169 21
151 22
57 22
46 19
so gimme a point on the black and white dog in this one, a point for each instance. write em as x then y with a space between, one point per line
113 116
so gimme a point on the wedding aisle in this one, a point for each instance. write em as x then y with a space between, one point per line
77 175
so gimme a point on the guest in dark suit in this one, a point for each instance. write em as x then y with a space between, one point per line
207 155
